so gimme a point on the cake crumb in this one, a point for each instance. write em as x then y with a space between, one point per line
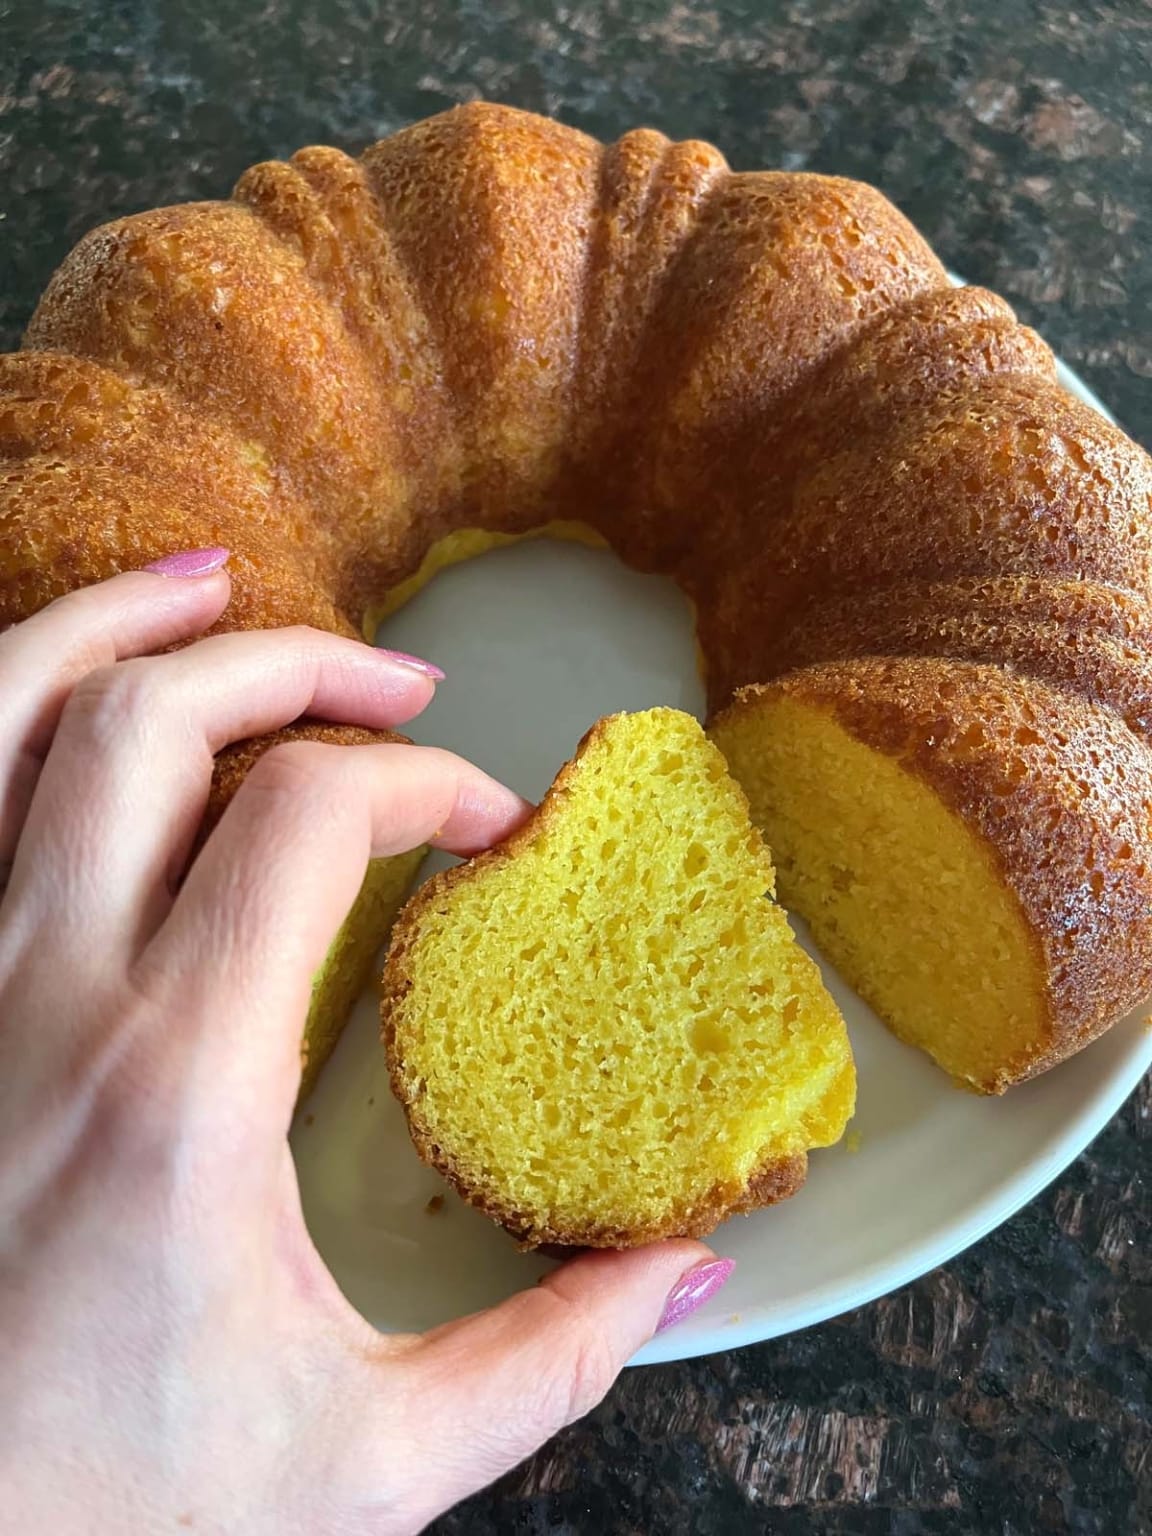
435 1205
853 1142
371 1101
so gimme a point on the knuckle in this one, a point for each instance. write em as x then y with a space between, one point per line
585 1363
592 1371
134 1095
304 638
145 1103
313 654
110 1059
12 636
290 770
112 700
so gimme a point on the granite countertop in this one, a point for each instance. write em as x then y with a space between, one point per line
1009 1391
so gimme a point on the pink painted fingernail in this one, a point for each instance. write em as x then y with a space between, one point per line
190 562
693 1290
417 663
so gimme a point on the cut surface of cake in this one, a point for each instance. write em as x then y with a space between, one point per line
604 1031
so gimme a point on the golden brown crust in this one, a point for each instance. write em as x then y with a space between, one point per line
780 272
902 359
102 475
890 619
370 392
775 1180
1100 668
1006 476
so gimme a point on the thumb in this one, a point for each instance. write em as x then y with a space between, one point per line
498 1384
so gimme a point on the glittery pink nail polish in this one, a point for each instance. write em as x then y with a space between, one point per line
693 1290
417 663
190 562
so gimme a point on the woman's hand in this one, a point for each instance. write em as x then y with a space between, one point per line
174 1356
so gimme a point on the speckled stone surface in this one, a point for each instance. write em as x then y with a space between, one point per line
1009 1392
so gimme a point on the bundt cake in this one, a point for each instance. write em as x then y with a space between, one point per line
602 1032
914 551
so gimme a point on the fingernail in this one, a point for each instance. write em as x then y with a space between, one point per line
190 562
693 1290
417 663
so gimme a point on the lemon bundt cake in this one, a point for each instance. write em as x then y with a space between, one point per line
761 384
602 1032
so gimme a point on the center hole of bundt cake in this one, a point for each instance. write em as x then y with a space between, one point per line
539 640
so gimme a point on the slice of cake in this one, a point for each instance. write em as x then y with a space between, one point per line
603 1032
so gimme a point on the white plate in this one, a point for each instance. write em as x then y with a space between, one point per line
538 641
